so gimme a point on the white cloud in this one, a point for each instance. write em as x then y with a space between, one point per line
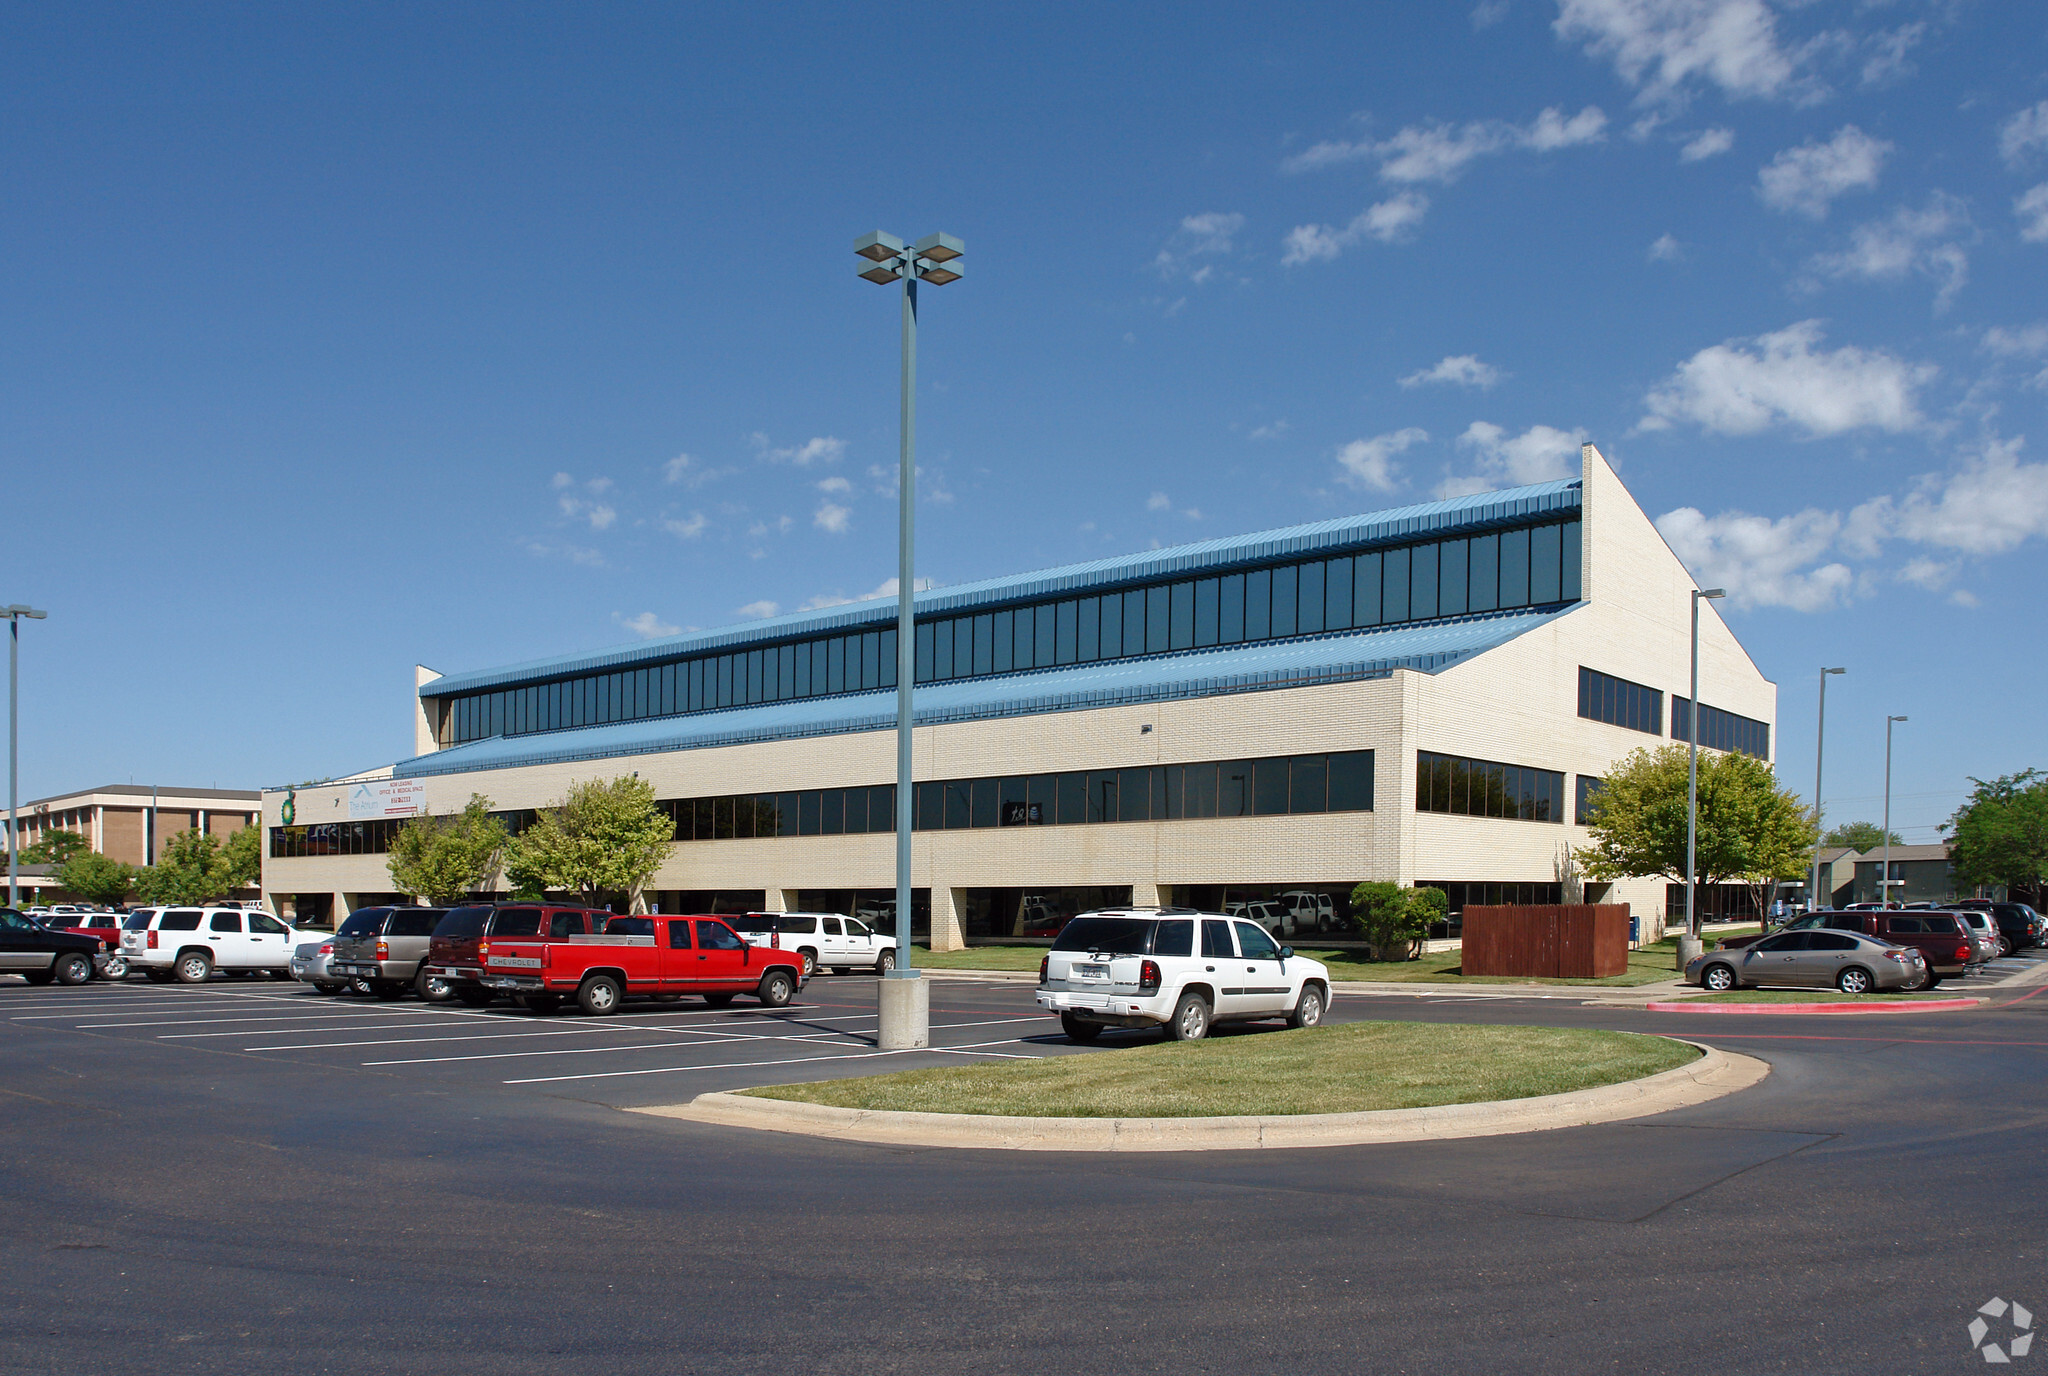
1926 241
1370 463
1463 370
2032 210
597 514
647 625
832 517
886 588
1387 221
762 609
1487 13
835 485
1158 501
562 480
1888 49
1439 152
1761 562
1708 143
1666 250
1806 180
1663 47
1208 235
2028 342
688 529
1745 386
1988 504
2023 133
675 468
1539 454
822 449
1272 430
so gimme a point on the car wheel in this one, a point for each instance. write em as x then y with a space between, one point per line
1308 1010
885 962
777 988
542 1004
1933 981
1079 1029
75 968
117 968
359 986
810 961
1190 1022
195 967
599 996
1854 980
472 996
38 977
431 988
157 976
327 986
388 989
1719 978
718 1000
667 998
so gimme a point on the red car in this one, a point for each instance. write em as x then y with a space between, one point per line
105 928
661 957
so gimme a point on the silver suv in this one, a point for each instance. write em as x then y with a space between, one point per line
386 948
1176 969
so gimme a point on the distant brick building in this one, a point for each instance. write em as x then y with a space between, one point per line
132 822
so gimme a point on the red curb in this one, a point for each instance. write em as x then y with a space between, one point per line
1931 1005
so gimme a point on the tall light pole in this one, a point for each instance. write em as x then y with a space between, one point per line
14 614
1819 741
905 998
1884 882
1690 947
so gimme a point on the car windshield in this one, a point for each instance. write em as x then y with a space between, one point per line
464 921
1123 936
364 923
138 921
755 923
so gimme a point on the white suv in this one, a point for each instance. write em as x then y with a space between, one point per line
191 943
1176 969
838 942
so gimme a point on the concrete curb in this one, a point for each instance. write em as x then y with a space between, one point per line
1888 1006
1715 1074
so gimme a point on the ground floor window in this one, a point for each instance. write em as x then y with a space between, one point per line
1034 914
876 907
706 901
1718 902
1482 893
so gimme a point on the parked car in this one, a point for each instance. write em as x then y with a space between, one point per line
1263 911
1814 959
190 944
1037 918
1303 911
455 953
103 927
313 962
1943 940
654 956
2019 924
1985 929
1177 969
386 948
43 955
830 939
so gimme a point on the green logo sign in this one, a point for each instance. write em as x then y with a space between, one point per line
291 806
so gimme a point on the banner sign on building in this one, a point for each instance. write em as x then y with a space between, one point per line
387 798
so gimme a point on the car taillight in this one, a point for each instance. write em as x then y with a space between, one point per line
383 950
1044 964
152 941
1962 953
327 948
1900 956
1148 975
483 950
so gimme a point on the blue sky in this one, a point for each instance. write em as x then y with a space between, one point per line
339 341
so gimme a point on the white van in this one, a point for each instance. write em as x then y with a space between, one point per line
833 940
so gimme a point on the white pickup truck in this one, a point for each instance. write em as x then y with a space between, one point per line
833 940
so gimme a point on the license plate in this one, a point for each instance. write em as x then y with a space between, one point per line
1091 972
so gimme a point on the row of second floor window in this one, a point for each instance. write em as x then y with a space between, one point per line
1486 788
1275 786
1529 566
1618 702
1721 730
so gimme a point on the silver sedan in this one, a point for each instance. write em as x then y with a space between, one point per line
1817 959
309 966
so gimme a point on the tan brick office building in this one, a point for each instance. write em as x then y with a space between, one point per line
133 822
1424 694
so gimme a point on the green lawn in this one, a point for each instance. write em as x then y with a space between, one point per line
1335 1069
1646 966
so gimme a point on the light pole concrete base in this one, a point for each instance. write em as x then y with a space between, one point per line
906 1011
1688 947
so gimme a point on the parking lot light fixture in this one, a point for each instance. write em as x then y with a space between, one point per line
935 259
15 614
1692 784
1884 882
1819 741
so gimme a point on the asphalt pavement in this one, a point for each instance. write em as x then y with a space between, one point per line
248 1177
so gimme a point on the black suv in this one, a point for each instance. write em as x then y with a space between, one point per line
2019 924
41 955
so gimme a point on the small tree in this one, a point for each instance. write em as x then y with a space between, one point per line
1859 836
2000 836
241 858
55 847
1426 908
1780 834
441 859
95 878
190 870
606 837
1389 916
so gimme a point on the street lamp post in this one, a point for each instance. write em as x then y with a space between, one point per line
1690 945
1819 741
1884 882
14 614
905 998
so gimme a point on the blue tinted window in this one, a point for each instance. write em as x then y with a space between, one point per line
1230 610
1205 611
1286 586
1308 614
1181 635
1545 564
1422 569
1570 581
1394 586
1258 605
1337 595
1514 568
1483 594
1134 623
1090 632
1451 578
1365 600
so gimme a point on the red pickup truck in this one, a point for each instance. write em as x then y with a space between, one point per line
653 956
452 953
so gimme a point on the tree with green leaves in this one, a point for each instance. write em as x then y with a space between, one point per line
95 878
241 858
2000 836
1394 918
1859 836
54 848
608 837
1750 830
191 869
444 859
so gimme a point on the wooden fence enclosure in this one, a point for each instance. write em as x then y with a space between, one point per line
1552 941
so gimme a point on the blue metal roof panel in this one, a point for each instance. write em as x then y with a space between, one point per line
1348 656
1389 526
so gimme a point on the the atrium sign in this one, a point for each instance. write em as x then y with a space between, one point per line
387 798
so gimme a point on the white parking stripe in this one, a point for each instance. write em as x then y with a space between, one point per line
197 1022
797 1060
248 1032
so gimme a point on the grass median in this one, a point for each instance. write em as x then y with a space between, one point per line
1342 1068
1818 996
